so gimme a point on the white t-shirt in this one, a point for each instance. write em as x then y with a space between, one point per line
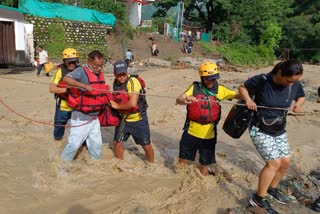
43 55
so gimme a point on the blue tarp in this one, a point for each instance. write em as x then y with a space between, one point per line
57 10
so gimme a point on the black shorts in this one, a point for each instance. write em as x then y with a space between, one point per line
189 145
127 61
139 130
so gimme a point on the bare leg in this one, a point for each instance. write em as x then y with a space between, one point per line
149 152
285 162
267 175
183 161
118 149
204 170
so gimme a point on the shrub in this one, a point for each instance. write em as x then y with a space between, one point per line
242 55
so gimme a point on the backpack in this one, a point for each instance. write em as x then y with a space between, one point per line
142 101
142 82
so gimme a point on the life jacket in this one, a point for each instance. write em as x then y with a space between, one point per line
108 117
62 84
90 101
207 109
120 95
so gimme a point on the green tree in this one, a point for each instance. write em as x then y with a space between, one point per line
298 34
271 36
106 6
304 7
10 3
235 20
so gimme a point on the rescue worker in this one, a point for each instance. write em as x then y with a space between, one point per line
132 106
203 114
88 95
60 90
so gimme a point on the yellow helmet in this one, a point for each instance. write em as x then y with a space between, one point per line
70 55
209 70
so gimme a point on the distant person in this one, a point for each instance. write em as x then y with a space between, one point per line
318 100
190 46
189 34
268 129
43 59
200 129
87 97
175 31
61 92
185 47
154 49
128 57
182 36
198 36
132 106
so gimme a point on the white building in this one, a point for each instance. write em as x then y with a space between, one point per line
134 11
16 45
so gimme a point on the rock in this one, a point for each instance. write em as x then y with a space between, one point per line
157 62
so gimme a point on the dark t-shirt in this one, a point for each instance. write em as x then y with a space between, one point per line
269 94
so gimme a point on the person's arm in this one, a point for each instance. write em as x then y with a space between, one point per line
225 93
53 88
133 87
245 95
237 96
184 99
132 102
296 107
74 83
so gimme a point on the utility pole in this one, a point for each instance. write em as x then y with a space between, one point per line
178 18
181 18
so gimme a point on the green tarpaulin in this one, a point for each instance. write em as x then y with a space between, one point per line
57 10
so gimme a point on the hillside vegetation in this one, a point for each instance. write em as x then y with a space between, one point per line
251 32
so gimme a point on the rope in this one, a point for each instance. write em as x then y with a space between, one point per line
110 91
40 122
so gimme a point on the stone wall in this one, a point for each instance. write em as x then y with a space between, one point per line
75 32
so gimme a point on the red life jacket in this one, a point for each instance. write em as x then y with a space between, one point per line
90 101
120 95
108 117
206 110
